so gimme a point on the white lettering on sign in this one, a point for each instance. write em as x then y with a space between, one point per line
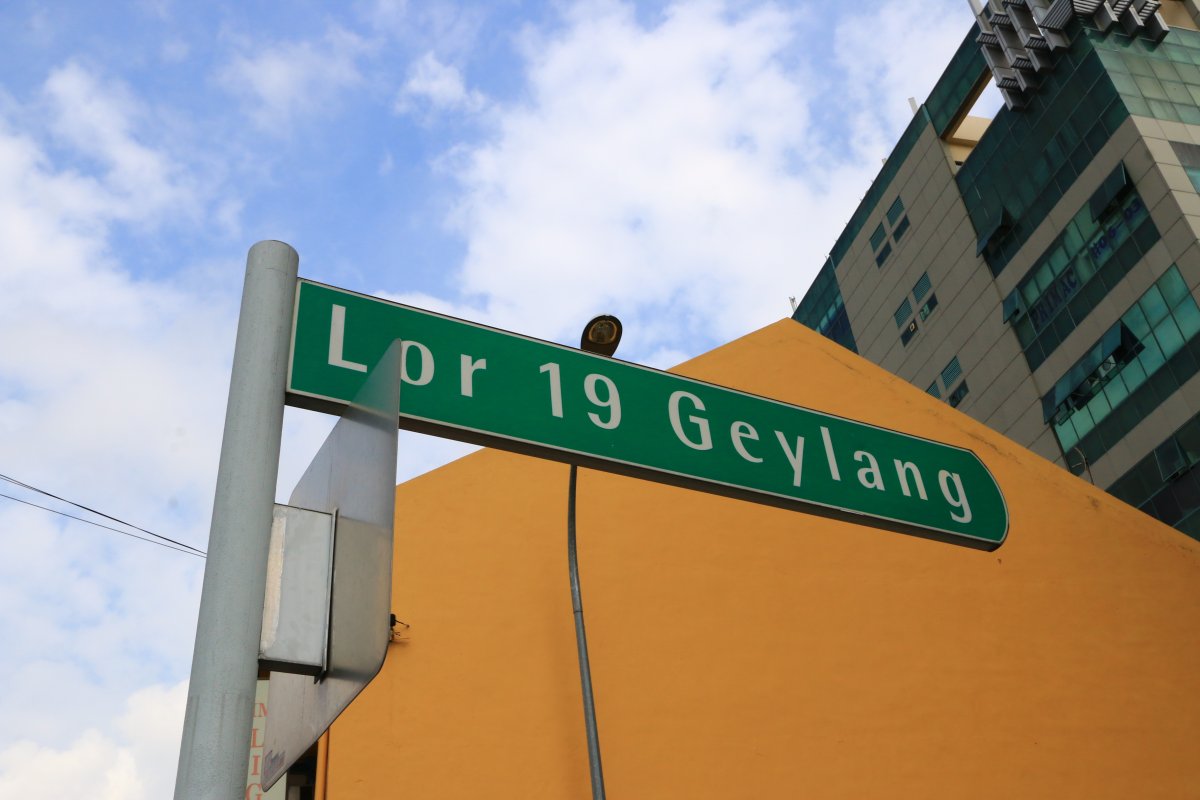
959 499
552 370
909 480
337 341
705 441
612 400
833 467
426 373
469 366
869 475
906 469
889 480
796 457
743 430
689 420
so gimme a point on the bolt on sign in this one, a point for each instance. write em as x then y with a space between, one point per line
477 384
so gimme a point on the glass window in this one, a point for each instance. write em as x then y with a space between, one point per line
1083 422
1188 317
1044 277
1135 320
1169 337
1099 407
901 227
1172 287
1152 357
1146 235
1063 325
1164 69
1124 83
1177 92
922 287
1072 237
928 308
1137 105
1193 174
958 394
1149 87
1136 64
1153 305
1084 267
1030 294
1134 375
1183 365
1162 109
903 313
894 212
1025 333
877 237
1057 259
1117 391
882 255
1067 435
1189 439
951 372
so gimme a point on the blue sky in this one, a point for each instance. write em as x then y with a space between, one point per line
685 166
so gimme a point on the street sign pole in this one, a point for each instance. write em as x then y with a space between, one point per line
220 704
595 768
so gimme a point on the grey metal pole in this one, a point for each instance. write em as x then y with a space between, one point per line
214 754
585 669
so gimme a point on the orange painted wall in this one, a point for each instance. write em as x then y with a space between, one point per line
741 651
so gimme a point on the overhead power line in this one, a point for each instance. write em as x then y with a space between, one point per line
161 541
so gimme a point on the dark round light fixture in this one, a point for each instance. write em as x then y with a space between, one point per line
602 335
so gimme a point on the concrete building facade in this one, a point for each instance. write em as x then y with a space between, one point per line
1040 270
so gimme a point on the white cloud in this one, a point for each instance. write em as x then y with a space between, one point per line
673 173
111 393
650 170
135 763
97 120
440 86
451 26
878 80
391 15
175 51
282 83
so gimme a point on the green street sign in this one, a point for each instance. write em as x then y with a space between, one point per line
478 384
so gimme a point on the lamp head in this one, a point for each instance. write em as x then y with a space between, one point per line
602 335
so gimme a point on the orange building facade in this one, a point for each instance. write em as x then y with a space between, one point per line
745 651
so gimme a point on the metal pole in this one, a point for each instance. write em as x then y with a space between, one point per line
585 670
215 750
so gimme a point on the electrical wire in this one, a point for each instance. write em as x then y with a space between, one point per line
106 527
23 485
163 541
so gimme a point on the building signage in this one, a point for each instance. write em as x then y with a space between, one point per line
254 770
1114 230
477 384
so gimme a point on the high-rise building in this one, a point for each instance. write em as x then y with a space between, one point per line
1039 270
